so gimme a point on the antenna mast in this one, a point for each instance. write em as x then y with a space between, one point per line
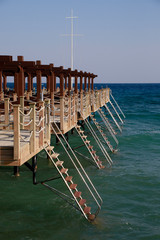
72 35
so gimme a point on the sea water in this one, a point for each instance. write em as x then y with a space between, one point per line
130 189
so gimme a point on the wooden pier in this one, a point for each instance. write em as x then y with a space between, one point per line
25 114
28 118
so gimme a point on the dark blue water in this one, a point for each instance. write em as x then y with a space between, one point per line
130 188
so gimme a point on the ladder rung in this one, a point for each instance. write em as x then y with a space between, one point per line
102 167
77 194
82 202
50 148
78 126
90 147
84 136
96 157
91 217
64 170
55 155
87 210
99 162
68 178
73 186
87 141
81 131
59 163
93 152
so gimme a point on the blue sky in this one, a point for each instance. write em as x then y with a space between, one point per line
120 42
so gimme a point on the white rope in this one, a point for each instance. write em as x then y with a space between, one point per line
27 139
40 130
41 119
25 115
27 124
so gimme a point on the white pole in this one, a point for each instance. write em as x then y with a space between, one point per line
72 35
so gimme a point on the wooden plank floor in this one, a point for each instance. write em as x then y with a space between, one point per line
7 144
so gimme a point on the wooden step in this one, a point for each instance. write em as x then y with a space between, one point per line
102 167
90 147
93 152
99 162
73 186
59 163
81 131
55 155
87 141
68 178
84 136
96 157
87 210
77 194
78 126
50 148
64 170
82 202
91 217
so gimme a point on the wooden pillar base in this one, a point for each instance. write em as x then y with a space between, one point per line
34 166
16 171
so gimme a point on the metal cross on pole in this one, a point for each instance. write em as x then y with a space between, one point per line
72 35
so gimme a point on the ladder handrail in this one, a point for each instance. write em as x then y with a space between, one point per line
105 153
97 124
113 117
117 105
87 148
107 126
116 111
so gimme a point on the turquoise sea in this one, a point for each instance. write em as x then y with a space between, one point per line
130 189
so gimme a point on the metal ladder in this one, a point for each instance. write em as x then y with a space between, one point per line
102 133
89 147
117 105
86 211
120 129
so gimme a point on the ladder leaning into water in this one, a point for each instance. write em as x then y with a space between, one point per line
76 194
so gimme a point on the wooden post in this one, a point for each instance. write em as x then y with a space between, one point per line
65 82
22 110
4 83
85 83
61 84
1 88
16 132
52 92
54 82
16 83
39 84
92 85
69 85
81 103
69 111
48 131
41 116
14 96
20 82
6 109
61 113
33 129
29 83
76 85
88 83
48 82
81 83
